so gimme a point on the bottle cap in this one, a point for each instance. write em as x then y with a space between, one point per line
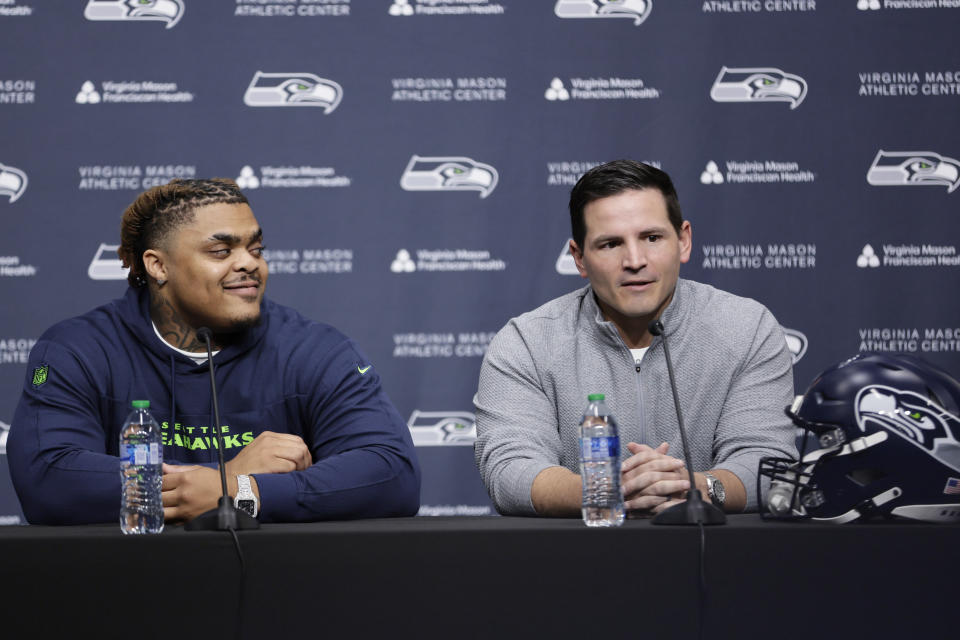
141 404
595 397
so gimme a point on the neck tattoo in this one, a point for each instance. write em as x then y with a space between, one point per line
172 327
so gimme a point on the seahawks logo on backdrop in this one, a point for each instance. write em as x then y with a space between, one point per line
759 84
169 11
4 433
796 343
442 428
448 173
292 90
898 168
13 182
913 417
637 10
106 264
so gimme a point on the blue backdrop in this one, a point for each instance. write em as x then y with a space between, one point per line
410 162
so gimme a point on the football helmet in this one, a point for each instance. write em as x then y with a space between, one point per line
889 445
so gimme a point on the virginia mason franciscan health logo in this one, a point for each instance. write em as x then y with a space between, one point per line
912 168
448 173
446 260
909 255
136 91
292 90
758 84
13 182
407 8
290 177
169 11
636 10
876 5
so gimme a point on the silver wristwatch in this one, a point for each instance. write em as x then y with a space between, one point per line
246 499
715 490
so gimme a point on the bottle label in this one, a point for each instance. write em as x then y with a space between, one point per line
600 448
139 454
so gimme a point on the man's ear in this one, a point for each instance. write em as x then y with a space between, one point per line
686 241
154 262
577 254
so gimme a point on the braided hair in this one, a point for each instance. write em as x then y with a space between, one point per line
158 211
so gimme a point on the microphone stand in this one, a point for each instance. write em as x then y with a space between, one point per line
225 516
693 510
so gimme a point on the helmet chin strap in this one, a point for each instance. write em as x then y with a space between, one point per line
866 506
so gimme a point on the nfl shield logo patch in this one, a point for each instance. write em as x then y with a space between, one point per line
40 375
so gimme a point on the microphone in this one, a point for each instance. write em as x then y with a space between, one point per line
225 516
693 510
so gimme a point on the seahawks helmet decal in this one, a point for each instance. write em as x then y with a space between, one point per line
912 417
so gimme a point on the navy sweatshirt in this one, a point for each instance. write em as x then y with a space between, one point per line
287 375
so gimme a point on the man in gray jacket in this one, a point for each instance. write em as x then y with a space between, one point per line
732 365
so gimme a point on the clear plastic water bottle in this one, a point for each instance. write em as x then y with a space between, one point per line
600 465
141 473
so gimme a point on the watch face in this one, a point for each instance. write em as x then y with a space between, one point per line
716 491
247 506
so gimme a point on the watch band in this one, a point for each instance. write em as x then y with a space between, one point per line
715 490
246 499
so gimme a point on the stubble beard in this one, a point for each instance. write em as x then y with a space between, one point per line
178 332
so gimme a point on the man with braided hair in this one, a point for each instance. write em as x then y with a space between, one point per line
307 427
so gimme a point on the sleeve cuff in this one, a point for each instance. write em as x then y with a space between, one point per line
747 475
514 496
278 496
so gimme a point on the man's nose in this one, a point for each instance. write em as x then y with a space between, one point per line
245 262
634 256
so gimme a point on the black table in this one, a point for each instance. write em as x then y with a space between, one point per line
486 578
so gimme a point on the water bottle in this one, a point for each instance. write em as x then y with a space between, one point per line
141 457
600 465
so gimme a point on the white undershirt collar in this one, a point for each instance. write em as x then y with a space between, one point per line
638 355
199 358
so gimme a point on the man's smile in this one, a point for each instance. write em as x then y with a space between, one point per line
243 288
